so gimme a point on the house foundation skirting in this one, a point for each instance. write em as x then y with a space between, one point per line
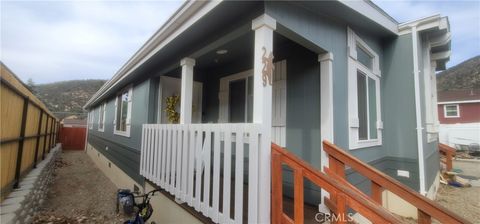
21 205
165 210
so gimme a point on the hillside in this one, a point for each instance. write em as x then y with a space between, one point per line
67 97
464 76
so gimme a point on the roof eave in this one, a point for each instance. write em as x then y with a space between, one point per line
182 18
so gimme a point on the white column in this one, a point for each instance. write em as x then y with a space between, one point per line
263 26
187 90
434 105
326 113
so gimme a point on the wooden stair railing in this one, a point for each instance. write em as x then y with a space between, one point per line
426 208
448 152
345 196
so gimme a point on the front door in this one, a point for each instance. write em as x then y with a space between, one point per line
236 100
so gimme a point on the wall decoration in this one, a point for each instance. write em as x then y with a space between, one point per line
172 115
268 67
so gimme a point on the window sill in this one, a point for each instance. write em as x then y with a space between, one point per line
365 144
101 130
122 133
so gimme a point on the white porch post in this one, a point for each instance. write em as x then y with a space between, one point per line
263 26
187 90
326 113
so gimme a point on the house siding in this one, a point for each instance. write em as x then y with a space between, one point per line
469 113
125 151
431 156
399 148
397 92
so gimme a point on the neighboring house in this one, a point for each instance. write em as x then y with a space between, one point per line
345 72
459 116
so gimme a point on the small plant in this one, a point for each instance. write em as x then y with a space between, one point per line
172 115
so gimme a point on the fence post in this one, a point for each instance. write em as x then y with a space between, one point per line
51 135
57 131
37 144
45 138
20 143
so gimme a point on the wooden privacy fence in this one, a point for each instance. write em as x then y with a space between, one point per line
72 138
27 133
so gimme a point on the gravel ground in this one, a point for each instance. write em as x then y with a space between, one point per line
80 193
463 201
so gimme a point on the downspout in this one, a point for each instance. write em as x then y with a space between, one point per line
418 111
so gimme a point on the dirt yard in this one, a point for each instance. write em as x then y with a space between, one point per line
463 201
80 193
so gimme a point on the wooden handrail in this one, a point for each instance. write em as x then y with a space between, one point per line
345 195
449 153
427 208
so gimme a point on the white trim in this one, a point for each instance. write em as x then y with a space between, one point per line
372 12
91 117
418 111
102 115
354 66
224 94
186 90
262 114
445 111
326 112
125 133
430 91
426 23
444 55
459 102
264 20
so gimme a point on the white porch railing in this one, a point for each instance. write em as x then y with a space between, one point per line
191 160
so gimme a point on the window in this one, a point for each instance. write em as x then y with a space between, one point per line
451 111
364 57
90 120
101 117
365 125
123 108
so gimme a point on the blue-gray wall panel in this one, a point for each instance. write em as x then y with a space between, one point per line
330 35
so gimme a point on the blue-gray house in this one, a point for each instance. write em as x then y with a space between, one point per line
194 110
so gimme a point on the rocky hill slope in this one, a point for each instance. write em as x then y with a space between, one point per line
67 97
464 76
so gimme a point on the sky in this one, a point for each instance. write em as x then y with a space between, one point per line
49 41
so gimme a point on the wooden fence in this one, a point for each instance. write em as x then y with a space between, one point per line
27 130
72 138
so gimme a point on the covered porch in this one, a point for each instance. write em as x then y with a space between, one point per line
233 104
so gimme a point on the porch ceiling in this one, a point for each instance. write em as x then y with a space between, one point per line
238 49
226 17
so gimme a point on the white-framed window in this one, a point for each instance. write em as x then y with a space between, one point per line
451 110
90 119
101 117
123 112
364 110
